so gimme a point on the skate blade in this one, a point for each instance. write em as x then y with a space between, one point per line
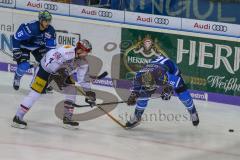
67 126
20 126
133 126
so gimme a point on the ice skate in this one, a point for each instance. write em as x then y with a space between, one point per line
17 123
69 124
194 118
133 122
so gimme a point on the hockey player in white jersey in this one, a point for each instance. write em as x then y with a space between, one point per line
58 65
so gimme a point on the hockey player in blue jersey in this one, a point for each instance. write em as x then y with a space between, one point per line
164 73
36 37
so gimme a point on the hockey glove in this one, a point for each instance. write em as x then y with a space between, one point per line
60 78
17 54
90 98
132 99
167 92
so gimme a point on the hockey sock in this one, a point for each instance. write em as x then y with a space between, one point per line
138 113
27 103
140 107
187 100
68 110
21 111
22 68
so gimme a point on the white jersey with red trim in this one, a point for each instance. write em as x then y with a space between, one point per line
80 68
64 57
56 58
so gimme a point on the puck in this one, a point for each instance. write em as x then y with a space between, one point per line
231 130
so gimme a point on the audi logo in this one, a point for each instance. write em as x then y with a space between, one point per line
6 1
105 14
220 28
52 7
158 20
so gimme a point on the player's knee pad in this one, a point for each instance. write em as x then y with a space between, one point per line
186 99
22 68
141 104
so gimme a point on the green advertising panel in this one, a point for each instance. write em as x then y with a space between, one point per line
206 64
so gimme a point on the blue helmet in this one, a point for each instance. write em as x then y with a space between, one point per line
44 16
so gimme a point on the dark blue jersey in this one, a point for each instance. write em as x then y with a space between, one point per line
167 63
30 37
158 72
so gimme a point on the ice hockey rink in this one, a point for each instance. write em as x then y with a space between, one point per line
103 139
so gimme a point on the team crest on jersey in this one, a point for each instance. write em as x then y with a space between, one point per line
140 53
48 35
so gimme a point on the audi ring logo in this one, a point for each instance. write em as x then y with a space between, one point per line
105 14
158 20
6 1
220 28
52 7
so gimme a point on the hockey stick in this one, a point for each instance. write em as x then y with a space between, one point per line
110 116
108 103
101 104
80 90
103 75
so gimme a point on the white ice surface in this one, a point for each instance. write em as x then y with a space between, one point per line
102 139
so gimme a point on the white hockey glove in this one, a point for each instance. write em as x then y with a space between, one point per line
60 78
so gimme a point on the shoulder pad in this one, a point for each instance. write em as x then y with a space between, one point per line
31 27
50 32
